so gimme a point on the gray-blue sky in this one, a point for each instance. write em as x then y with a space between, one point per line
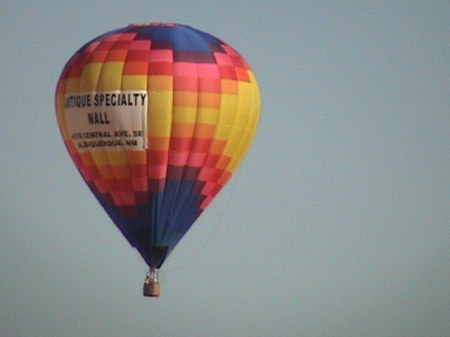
337 224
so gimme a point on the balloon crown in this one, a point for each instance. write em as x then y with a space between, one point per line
154 24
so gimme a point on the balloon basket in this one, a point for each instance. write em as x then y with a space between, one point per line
151 287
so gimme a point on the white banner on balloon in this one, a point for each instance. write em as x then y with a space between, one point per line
110 120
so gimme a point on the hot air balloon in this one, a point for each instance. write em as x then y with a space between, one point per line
156 118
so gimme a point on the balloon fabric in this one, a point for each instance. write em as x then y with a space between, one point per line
156 117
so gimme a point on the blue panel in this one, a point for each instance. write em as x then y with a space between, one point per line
180 37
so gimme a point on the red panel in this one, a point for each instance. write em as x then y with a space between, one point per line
178 158
181 83
157 171
227 72
138 171
180 144
209 85
135 68
160 68
138 55
157 157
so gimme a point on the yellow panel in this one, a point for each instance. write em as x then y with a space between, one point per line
111 76
184 114
245 96
228 103
234 142
226 116
117 157
255 92
134 82
100 158
241 119
207 116
159 120
90 76
250 128
158 129
245 145
223 132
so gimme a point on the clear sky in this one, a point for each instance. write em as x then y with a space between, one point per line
337 224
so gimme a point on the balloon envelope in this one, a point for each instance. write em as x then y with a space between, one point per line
156 118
